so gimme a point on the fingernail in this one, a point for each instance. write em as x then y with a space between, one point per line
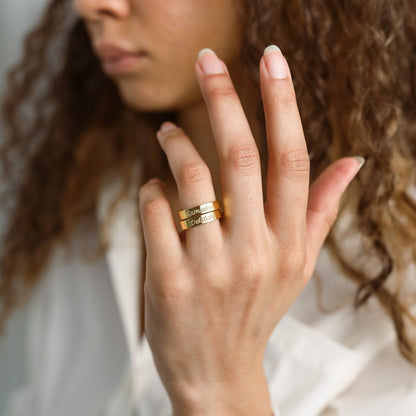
360 161
275 62
157 181
167 125
209 62
153 180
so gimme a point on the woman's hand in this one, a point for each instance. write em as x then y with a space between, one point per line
213 299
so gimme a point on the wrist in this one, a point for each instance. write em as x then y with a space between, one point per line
243 397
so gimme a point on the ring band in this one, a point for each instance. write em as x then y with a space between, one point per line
199 210
202 219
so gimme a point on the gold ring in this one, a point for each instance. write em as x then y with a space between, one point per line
199 210
202 219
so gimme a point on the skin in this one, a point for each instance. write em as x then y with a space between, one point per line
168 80
214 293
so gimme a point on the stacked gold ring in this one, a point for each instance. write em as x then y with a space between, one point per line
200 214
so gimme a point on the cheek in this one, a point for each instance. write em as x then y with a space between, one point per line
177 30
186 26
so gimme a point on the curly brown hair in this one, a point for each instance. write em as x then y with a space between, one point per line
353 64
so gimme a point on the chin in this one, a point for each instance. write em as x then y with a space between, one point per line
155 100
143 103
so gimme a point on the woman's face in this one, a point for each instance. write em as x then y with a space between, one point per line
169 33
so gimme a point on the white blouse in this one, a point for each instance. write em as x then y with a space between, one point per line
83 356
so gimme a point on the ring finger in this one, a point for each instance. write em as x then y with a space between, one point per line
193 180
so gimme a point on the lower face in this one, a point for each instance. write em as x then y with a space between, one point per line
171 33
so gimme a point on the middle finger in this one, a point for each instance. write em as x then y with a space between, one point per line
288 167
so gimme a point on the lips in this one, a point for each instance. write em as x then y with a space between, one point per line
117 60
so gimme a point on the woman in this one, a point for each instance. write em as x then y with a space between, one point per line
214 291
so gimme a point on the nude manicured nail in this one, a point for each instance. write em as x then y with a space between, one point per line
154 180
167 125
275 62
209 62
361 162
164 128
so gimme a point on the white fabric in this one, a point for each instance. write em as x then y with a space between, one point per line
84 358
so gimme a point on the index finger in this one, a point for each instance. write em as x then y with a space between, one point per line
288 165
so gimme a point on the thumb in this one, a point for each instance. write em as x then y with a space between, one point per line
323 204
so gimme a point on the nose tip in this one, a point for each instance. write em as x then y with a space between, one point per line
96 9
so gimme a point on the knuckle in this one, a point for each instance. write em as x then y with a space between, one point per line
243 157
253 266
153 208
293 264
217 284
217 91
253 271
214 280
193 172
332 216
172 135
296 164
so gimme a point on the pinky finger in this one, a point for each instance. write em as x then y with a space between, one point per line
324 199
159 229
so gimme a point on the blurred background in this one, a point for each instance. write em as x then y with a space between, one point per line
16 18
